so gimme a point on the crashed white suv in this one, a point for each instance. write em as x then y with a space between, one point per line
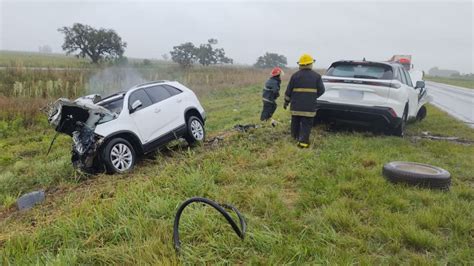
372 93
110 133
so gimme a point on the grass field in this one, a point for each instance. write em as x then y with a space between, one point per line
461 82
325 205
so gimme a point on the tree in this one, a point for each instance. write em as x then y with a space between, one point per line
97 44
207 55
45 49
269 60
184 54
187 53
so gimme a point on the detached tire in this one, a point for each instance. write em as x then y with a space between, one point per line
417 174
119 156
195 130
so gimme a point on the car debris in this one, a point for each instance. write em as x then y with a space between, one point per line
78 119
29 200
245 128
240 231
430 136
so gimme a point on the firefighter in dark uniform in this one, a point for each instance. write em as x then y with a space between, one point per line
270 93
304 88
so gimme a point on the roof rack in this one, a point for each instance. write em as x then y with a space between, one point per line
151 82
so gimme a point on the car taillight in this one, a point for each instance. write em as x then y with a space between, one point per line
392 112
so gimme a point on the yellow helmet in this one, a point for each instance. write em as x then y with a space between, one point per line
305 59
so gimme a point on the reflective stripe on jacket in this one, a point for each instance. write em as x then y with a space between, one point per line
304 88
271 91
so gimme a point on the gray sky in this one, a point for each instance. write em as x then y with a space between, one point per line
435 33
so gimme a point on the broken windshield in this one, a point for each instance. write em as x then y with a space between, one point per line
115 105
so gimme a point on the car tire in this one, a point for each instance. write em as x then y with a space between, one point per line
195 130
119 156
421 113
400 129
417 174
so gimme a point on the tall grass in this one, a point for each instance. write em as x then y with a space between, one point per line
24 91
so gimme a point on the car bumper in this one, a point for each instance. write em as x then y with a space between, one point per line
357 114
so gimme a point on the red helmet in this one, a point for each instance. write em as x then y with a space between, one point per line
276 71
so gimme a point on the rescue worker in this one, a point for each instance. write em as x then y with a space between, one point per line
271 91
304 88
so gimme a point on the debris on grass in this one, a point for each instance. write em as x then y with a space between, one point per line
428 135
29 200
240 231
245 128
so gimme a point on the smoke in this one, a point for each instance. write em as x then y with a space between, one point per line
113 79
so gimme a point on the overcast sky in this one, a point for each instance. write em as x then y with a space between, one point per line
435 33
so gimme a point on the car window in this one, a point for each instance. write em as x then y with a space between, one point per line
402 76
408 77
396 75
360 70
158 93
139 95
114 106
172 90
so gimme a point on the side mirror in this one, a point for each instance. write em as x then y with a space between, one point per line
420 84
135 105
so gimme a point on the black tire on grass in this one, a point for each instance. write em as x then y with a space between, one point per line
417 174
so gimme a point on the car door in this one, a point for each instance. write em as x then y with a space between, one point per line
412 94
166 107
142 115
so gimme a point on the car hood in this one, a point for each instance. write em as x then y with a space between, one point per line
67 116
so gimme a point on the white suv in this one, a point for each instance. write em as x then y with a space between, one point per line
365 92
113 131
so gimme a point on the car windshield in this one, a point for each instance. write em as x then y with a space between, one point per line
114 105
360 70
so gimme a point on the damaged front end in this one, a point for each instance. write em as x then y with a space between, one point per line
79 119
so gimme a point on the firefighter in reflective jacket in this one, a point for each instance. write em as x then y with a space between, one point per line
270 93
304 88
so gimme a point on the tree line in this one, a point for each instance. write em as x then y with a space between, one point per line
101 45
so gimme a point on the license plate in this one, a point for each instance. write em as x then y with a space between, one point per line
349 94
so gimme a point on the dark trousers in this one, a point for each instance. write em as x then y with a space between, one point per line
301 128
268 110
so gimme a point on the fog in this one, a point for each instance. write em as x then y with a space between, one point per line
435 33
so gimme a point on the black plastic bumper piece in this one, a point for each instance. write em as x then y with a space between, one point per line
357 114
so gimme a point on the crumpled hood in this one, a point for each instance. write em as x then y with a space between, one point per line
67 116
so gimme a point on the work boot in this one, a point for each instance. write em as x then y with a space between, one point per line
302 145
274 123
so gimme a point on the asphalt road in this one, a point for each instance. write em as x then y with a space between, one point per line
456 101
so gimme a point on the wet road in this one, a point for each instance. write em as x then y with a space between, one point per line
456 101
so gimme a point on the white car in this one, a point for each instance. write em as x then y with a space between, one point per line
112 132
372 93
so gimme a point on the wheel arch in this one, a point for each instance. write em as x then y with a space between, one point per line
192 111
129 136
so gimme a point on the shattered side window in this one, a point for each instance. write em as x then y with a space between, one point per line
114 106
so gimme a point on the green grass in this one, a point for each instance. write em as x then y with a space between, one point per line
325 205
455 81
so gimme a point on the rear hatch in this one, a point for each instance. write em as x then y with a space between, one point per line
358 83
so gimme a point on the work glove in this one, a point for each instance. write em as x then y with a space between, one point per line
285 105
